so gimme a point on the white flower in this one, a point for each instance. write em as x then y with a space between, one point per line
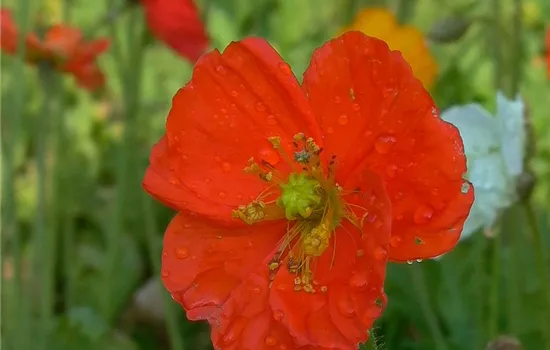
494 148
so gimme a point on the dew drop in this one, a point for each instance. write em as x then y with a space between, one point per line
380 253
226 167
409 262
359 281
260 107
356 107
391 170
337 99
182 253
239 196
360 253
271 120
423 214
256 290
222 195
330 130
234 330
207 180
278 315
343 119
165 273
395 241
465 187
270 341
281 288
217 158
186 225
221 70
283 347
270 156
345 307
216 116
384 144
234 93
173 180
285 68
418 260
184 157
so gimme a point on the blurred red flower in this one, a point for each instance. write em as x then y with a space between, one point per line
178 25
350 169
63 47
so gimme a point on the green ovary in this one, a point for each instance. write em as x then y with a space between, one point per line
300 196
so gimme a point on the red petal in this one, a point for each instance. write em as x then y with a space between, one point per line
221 119
353 271
178 25
202 263
377 116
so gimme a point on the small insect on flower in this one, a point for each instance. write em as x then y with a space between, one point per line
177 23
382 24
63 47
292 198
495 149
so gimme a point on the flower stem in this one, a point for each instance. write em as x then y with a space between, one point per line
517 51
419 284
176 341
11 127
494 311
542 269
371 343
497 44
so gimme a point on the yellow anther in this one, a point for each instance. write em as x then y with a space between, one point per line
299 136
273 265
275 141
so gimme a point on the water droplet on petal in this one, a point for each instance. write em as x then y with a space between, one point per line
239 196
256 290
221 70
260 107
384 143
182 253
380 253
391 170
278 315
395 241
330 130
355 107
359 281
226 167
207 180
269 155
465 187
285 68
418 260
234 93
423 214
184 157
271 120
360 253
165 273
409 262
217 158
270 341
222 195
234 330
343 119
345 307
337 99
283 347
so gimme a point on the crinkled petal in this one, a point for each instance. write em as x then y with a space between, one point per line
349 276
376 116
234 102
203 263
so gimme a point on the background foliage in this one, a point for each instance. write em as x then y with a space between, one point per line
81 241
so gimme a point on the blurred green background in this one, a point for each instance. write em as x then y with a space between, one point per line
81 240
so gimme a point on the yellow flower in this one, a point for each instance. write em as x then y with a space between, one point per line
381 23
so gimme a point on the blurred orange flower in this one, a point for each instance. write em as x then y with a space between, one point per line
178 25
382 24
62 46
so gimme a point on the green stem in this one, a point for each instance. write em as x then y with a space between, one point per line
480 290
371 343
11 127
517 49
542 269
176 341
497 44
494 311
44 239
419 284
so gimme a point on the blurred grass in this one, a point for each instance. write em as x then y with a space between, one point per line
80 238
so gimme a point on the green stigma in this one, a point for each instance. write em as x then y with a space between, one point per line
300 196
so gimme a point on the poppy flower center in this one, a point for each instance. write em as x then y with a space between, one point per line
308 198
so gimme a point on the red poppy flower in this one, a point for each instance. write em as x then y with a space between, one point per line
291 253
178 25
64 47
